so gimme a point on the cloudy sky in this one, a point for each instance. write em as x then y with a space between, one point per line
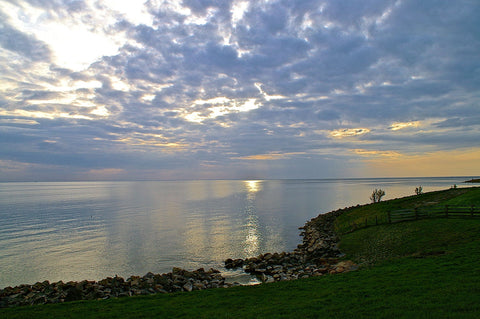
165 89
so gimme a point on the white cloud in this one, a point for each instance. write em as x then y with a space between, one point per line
238 10
227 106
201 20
349 132
120 84
75 43
43 115
18 121
148 97
100 111
266 96
135 11
402 125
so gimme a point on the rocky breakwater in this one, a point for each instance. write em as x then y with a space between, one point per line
177 280
317 255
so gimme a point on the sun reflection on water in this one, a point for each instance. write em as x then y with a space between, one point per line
252 231
253 186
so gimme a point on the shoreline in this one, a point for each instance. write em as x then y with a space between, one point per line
473 180
317 255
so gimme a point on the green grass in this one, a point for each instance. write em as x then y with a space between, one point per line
371 245
446 286
423 269
358 215
387 241
472 197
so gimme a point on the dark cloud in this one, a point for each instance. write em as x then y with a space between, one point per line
25 45
328 115
459 123
37 95
200 6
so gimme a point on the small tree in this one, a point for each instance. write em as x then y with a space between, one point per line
377 195
419 190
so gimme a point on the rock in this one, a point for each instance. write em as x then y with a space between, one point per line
73 293
188 287
262 277
322 270
177 271
346 265
339 269
213 271
45 292
233 263
198 286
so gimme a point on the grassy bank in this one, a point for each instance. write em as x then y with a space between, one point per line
423 269
422 237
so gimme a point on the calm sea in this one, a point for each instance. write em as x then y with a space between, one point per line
92 230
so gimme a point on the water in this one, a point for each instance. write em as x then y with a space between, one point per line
92 230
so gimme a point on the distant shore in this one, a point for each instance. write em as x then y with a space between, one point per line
473 180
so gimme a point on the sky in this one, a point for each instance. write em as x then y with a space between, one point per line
211 89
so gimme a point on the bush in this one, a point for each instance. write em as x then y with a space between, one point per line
419 190
377 195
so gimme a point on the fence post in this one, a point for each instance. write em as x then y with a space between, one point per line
389 218
376 220
416 212
471 211
446 211
366 220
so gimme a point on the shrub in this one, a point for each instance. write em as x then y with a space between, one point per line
377 195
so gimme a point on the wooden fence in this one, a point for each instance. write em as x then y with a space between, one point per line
402 215
446 211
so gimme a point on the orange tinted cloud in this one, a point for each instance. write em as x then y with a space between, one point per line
443 163
269 156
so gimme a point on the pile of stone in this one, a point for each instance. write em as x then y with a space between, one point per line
177 280
317 255
289 266
319 238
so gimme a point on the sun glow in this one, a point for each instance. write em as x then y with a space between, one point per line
349 132
252 236
401 125
252 186
372 153
443 163
268 156
70 39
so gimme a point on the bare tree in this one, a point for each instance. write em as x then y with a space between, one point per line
377 195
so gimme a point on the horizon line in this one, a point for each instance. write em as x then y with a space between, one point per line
230 179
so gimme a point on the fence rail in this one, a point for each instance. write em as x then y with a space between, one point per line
446 211
402 215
